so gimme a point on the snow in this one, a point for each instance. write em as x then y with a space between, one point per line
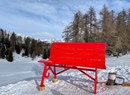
22 77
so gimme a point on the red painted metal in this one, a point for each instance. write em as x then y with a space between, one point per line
62 71
86 74
79 56
95 84
55 72
44 75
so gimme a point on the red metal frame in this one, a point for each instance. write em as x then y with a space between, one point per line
48 67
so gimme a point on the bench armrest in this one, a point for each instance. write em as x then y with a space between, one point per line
45 61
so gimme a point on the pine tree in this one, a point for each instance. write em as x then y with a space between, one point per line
108 27
76 30
3 49
67 33
18 44
33 55
39 48
85 28
18 48
48 52
73 31
128 29
7 42
13 41
26 52
27 45
2 36
33 48
121 32
44 54
9 57
92 24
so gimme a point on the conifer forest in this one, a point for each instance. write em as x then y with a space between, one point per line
105 26
26 46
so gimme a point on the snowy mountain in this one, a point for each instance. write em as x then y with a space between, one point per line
22 77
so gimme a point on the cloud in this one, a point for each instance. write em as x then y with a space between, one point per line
119 5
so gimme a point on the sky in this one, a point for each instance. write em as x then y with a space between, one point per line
47 19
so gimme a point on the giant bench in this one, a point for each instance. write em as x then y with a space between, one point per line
83 57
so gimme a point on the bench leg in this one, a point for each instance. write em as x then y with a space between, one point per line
42 86
55 79
95 82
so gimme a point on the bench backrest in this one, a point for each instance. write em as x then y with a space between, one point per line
79 54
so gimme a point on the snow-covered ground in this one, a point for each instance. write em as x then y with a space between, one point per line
22 77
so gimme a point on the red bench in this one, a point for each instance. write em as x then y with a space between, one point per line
81 56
